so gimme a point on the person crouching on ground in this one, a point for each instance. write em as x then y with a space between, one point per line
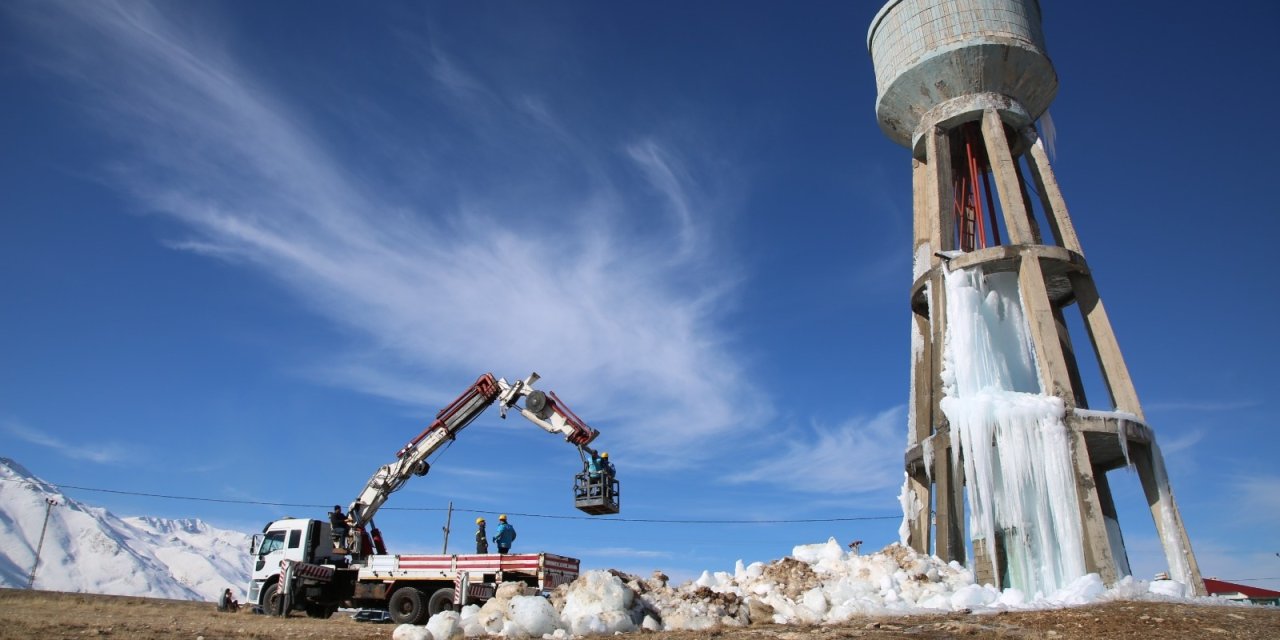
227 603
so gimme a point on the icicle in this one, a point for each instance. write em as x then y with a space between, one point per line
910 509
926 448
1174 550
1050 134
917 359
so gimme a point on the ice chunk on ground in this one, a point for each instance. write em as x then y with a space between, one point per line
829 552
446 625
1082 590
598 602
533 616
471 626
493 615
410 632
1171 588
972 597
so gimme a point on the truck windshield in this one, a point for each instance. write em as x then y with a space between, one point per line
273 542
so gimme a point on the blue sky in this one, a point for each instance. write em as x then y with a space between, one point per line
250 249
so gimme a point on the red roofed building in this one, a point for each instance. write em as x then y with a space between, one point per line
1233 591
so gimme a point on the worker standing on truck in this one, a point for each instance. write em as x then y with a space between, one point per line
482 538
506 534
338 522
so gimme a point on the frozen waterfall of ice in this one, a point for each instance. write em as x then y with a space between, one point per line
1016 450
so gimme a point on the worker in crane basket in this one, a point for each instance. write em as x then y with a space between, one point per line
482 538
506 535
599 472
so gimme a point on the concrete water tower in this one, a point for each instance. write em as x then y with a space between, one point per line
962 83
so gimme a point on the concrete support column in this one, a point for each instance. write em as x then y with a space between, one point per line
1044 330
939 194
1055 206
918 529
1104 494
1056 380
1115 374
984 566
1017 219
1108 504
921 408
1164 510
948 480
1069 352
949 517
1093 527
1026 203
922 242
927 237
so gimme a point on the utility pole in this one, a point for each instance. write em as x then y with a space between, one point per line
49 504
448 520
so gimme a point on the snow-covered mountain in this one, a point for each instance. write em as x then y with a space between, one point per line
90 550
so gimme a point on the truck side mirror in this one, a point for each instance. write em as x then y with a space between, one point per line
254 543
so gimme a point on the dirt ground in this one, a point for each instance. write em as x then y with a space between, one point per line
50 615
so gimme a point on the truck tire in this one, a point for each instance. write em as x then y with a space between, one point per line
408 606
322 611
441 600
272 600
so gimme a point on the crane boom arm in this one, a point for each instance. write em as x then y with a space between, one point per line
543 409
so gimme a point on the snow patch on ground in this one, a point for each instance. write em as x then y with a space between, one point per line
816 584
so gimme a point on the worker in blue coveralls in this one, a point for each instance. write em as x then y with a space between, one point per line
506 535
597 465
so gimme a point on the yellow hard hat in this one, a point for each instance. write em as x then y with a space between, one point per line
502 517
479 520
604 455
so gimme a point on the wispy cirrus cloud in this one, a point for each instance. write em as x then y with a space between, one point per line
1257 499
1203 406
1182 442
861 455
590 284
98 452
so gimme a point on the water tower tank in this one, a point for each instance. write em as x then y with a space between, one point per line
942 61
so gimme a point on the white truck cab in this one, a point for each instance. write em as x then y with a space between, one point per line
296 539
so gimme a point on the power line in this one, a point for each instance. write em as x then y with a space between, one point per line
464 510
522 515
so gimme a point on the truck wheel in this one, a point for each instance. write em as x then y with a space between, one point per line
272 600
322 611
441 600
408 606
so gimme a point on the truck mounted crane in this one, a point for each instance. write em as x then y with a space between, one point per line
543 409
297 568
